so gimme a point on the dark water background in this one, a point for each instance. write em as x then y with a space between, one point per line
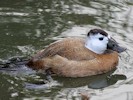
29 25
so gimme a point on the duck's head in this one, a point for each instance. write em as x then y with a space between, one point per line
99 41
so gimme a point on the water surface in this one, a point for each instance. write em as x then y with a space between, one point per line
27 26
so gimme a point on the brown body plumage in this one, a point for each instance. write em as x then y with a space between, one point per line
70 58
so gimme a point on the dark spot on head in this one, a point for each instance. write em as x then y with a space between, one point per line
96 31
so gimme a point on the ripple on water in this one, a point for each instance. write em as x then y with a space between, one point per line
29 25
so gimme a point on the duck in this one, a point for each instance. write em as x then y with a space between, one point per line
96 54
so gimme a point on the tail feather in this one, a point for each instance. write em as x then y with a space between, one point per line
36 65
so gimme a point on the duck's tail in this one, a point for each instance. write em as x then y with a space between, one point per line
39 64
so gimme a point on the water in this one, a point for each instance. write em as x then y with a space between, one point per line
27 26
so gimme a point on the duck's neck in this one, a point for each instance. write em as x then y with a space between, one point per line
91 45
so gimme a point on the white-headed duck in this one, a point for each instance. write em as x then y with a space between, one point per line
78 57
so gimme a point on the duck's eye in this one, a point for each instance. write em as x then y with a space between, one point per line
101 38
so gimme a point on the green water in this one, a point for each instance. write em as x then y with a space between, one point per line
29 25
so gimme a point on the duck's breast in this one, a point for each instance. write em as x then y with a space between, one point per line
71 68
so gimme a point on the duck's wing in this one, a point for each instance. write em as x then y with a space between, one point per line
53 49
70 48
